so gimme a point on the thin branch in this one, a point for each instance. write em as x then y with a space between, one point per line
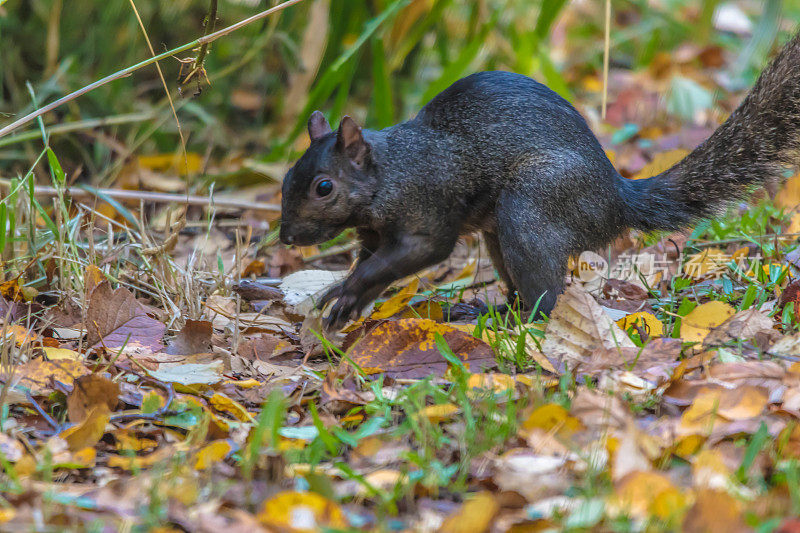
152 197
133 68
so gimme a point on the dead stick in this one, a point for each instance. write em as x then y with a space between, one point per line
154 197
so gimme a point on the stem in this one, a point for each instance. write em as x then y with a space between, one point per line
129 70
147 196
211 22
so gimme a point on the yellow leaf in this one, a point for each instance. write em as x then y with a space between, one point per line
789 195
688 445
661 162
220 402
552 417
438 413
384 480
244 384
496 382
174 162
301 512
474 516
7 514
713 405
398 302
637 494
646 321
710 471
90 431
697 324
212 453
57 354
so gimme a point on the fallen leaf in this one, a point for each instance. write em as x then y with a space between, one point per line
714 512
88 392
193 338
189 373
699 322
212 453
644 494
406 348
578 326
396 303
473 516
643 320
552 417
743 325
88 432
438 413
301 512
39 375
713 405
661 161
115 319
56 354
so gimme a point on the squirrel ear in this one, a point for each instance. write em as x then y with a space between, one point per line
318 125
350 141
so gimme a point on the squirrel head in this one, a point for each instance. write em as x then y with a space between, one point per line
327 187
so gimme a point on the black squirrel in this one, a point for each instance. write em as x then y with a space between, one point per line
500 153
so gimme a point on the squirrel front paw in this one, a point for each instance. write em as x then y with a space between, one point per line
345 308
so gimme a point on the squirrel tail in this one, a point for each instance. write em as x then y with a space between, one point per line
755 145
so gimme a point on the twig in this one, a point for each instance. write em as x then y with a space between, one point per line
129 70
197 66
88 124
153 197
41 411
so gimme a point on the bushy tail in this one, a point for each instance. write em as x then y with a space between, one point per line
757 142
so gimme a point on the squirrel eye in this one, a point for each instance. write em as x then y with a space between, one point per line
324 188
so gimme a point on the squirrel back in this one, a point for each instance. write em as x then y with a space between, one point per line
501 153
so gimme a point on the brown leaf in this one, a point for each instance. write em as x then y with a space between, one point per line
714 512
115 318
743 325
88 392
407 348
578 326
91 279
194 337
263 347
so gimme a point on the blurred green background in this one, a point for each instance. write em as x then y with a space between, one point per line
378 60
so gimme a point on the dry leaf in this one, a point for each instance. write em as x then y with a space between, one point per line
193 338
407 348
301 512
578 326
714 512
743 325
474 516
115 318
88 392
89 432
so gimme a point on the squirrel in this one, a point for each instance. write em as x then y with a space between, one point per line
502 154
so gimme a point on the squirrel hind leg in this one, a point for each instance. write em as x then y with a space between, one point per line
534 256
496 254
